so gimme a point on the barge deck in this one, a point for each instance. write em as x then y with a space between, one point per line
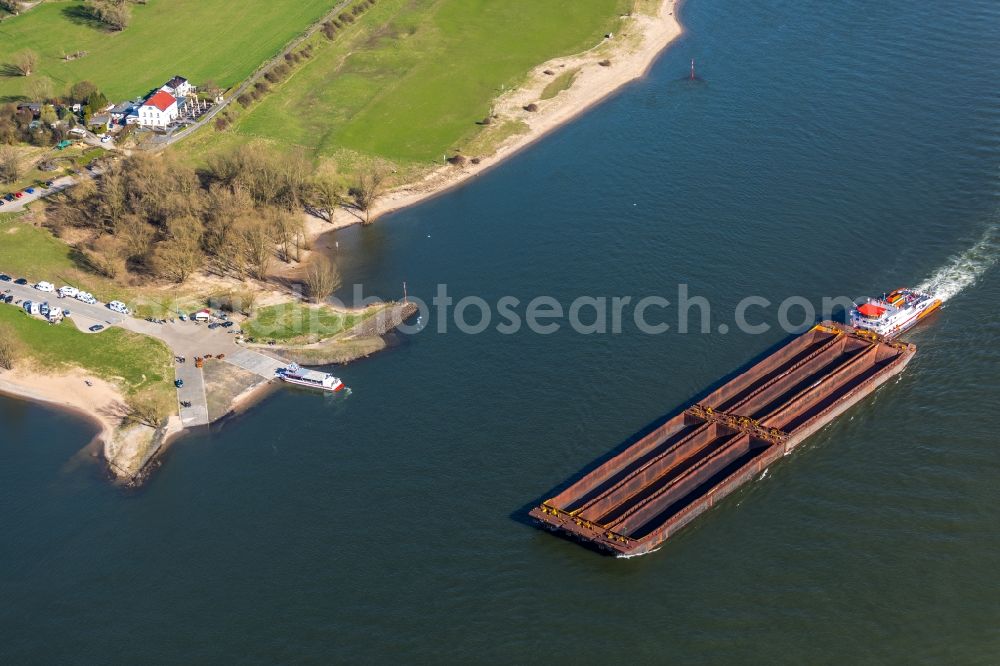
633 502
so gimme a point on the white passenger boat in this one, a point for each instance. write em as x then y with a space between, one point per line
894 313
295 374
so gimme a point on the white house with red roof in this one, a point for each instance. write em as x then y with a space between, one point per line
159 110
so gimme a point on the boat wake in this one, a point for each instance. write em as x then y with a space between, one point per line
962 271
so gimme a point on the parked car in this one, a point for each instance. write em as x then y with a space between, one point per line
119 307
4 277
47 287
86 297
105 138
67 313
179 383
9 299
2 202
8 197
67 291
18 195
20 281
95 328
214 324
48 183
30 190
228 324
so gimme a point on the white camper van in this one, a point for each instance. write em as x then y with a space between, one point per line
67 291
119 307
45 286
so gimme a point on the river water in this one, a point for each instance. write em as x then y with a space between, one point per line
831 149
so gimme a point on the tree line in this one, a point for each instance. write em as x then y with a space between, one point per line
154 217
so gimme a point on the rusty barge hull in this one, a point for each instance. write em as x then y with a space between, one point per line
632 503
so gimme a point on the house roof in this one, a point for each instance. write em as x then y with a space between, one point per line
161 100
176 81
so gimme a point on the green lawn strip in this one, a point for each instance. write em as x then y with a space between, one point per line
136 362
408 81
559 83
299 323
220 40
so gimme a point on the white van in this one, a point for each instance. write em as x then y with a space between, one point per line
119 307
67 291
32 308
45 286
85 297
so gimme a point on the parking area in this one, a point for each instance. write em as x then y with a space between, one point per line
13 203
187 340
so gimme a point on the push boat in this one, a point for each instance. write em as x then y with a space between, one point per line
295 374
631 503
894 313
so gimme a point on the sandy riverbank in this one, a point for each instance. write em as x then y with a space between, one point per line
126 449
98 402
631 52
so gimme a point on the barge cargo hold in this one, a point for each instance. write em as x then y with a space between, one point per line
633 502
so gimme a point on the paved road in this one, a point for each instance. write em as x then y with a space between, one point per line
185 340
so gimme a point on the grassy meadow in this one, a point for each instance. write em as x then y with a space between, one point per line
138 363
297 323
222 40
408 81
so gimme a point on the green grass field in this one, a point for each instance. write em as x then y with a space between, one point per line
296 323
222 40
408 80
138 363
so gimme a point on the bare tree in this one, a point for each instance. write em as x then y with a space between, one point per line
369 186
25 62
323 198
105 255
136 237
10 164
322 278
116 14
10 346
248 301
180 255
145 410
40 89
256 245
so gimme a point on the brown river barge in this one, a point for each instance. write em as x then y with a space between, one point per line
633 502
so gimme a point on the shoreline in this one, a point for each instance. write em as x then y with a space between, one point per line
592 84
129 452
52 390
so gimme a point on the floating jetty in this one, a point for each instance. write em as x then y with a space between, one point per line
632 503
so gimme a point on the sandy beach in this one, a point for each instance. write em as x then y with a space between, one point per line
629 54
98 402
126 448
